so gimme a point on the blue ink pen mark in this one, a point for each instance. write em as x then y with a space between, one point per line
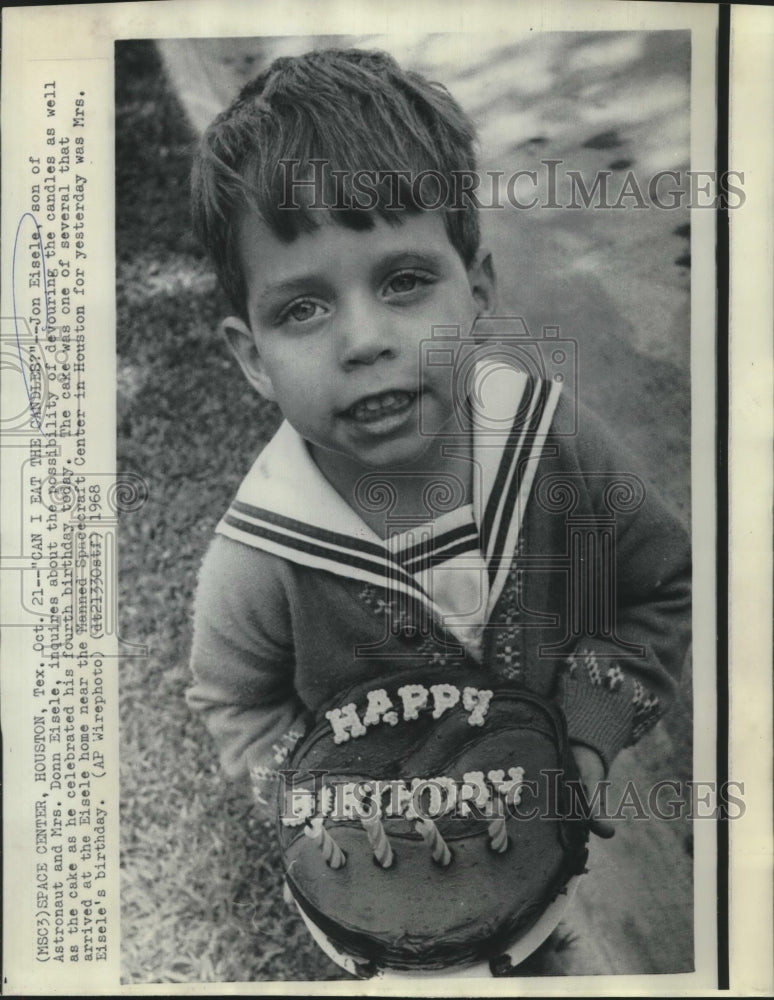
28 215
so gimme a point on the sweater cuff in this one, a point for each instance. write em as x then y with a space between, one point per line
598 715
265 777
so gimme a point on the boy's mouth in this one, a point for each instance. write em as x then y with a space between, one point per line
371 409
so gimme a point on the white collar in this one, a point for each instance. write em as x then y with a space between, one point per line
286 506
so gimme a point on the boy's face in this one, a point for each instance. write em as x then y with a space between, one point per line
336 322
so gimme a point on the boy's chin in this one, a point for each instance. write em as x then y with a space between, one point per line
380 456
392 455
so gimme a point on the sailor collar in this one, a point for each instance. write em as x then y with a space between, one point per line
286 506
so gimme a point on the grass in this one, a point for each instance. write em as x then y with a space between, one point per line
201 875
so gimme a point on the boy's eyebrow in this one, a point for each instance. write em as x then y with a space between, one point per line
301 282
290 286
409 256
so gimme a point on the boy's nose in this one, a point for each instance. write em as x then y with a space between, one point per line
363 340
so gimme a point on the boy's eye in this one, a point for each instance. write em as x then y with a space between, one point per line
406 281
300 311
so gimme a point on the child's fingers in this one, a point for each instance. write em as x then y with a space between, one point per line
602 828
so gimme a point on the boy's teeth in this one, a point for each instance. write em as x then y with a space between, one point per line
384 403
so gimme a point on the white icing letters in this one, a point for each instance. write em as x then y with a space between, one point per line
301 806
400 800
414 697
325 800
509 789
345 722
379 709
477 703
444 696
473 790
434 803
349 800
422 798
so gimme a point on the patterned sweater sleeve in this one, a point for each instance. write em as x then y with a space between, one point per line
622 674
242 663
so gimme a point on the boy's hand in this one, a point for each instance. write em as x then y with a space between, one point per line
592 771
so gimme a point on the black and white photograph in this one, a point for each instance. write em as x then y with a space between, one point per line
386 445
449 441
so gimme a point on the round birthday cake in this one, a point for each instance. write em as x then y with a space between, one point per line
425 820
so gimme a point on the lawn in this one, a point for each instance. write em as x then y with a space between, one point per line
200 876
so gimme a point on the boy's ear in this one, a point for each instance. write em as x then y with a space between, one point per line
483 283
241 343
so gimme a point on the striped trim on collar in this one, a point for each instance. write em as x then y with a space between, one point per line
285 506
438 547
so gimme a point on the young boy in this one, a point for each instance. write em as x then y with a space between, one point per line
434 495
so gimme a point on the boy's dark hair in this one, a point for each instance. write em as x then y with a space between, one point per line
356 111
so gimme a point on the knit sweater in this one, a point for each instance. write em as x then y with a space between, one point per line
589 602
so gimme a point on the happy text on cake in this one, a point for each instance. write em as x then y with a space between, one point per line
414 698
